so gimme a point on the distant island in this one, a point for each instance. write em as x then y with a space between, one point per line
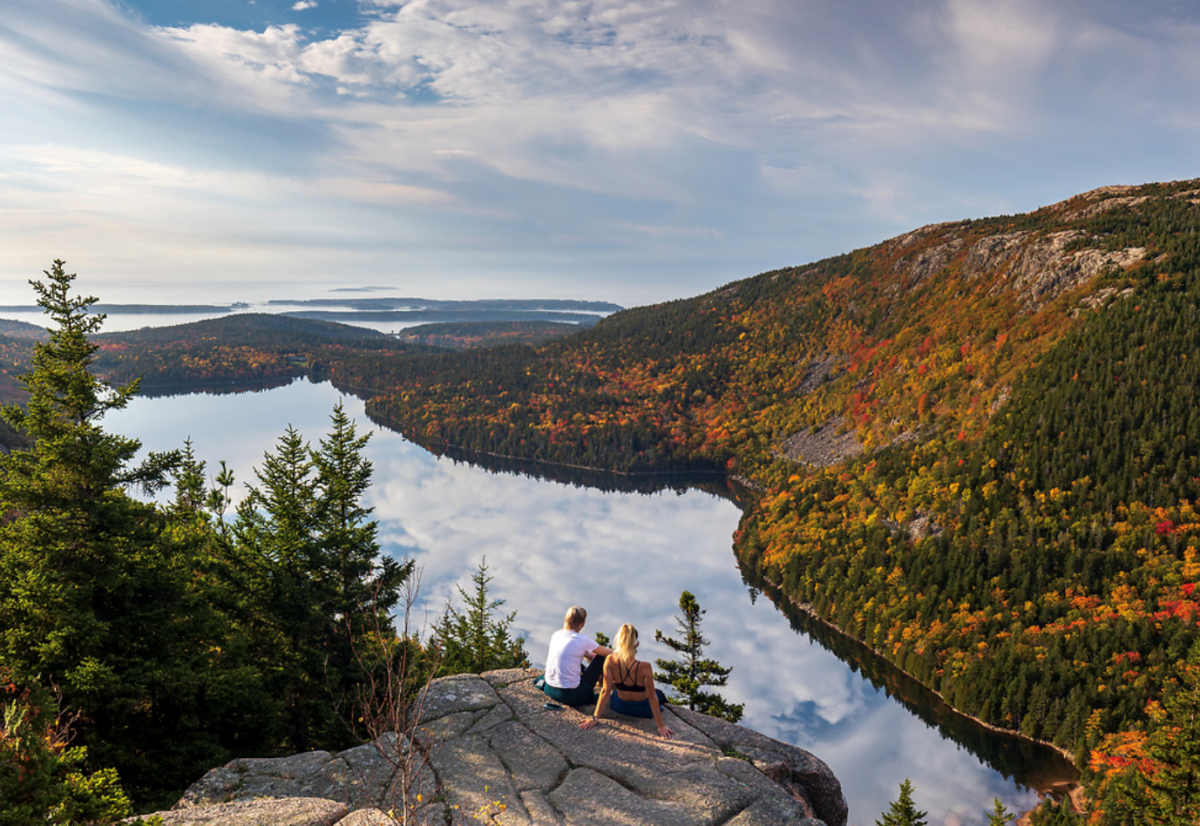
398 309
477 305
580 313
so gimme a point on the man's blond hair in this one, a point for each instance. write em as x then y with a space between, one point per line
575 618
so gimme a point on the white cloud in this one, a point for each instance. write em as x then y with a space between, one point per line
710 133
304 4
264 66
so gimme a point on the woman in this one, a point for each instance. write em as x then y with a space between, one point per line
629 685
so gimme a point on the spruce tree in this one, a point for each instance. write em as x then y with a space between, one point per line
999 815
475 639
317 580
360 586
692 671
276 536
361 579
903 811
96 595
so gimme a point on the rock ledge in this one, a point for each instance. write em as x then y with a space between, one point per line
498 756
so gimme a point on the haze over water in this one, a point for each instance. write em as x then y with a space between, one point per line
626 557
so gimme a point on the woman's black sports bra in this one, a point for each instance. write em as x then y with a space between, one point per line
630 673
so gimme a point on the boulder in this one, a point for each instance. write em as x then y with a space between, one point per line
488 750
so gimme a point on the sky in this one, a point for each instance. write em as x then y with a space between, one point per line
174 151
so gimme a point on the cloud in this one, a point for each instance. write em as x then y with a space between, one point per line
381 192
304 4
675 145
594 97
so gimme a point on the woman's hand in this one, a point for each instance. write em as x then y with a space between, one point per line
588 722
665 732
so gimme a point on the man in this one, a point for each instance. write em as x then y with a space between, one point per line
566 680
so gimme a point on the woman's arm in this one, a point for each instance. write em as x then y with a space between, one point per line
588 722
652 695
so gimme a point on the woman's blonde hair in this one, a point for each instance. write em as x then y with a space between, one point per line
625 646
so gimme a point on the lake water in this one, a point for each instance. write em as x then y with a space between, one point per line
626 557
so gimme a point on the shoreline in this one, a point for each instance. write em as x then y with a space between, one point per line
1069 788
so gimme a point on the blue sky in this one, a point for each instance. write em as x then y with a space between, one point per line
625 151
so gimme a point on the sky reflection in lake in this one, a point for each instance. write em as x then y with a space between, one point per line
626 557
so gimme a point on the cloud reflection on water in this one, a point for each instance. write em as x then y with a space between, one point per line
626 557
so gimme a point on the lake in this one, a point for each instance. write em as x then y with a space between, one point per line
626 557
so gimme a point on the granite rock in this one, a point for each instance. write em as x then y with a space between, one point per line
496 754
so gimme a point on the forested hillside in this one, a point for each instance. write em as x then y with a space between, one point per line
467 334
238 348
975 445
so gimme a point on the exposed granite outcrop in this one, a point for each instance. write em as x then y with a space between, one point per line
498 756
823 446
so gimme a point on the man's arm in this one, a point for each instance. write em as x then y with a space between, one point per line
599 649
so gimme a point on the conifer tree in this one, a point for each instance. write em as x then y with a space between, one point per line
360 586
190 489
693 670
318 578
276 535
362 580
999 815
903 811
474 639
96 596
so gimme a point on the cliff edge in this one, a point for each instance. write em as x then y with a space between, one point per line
497 756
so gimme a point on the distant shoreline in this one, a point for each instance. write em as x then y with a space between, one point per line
132 309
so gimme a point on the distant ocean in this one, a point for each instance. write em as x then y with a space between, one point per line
391 319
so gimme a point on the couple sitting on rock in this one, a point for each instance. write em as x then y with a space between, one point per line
628 683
